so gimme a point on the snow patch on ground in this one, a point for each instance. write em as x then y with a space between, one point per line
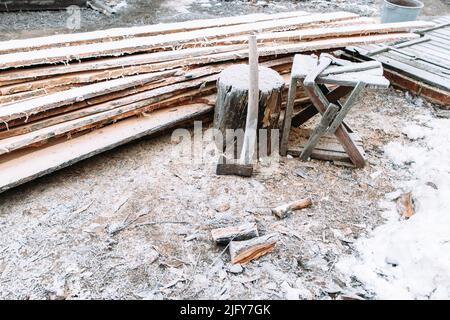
182 6
410 259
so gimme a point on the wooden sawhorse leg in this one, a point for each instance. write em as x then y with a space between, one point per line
320 101
310 111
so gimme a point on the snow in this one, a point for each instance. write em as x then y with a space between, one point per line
181 6
410 259
120 6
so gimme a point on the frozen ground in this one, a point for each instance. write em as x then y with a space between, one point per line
410 259
61 235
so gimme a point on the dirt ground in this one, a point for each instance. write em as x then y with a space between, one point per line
61 235
134 222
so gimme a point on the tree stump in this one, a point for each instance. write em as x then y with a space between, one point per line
232 99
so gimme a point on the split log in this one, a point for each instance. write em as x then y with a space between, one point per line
235 233
286 209
244 251
232 95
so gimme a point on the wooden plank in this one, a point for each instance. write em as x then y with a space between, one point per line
330 32
172 95
92 77
21 96
420 65
434 47
418 54
120 62
239 54
32 106
145 44
137 31
34 5
17 169
411 68
276 64
100 114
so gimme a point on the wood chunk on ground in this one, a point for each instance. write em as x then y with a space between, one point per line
284 210
405 205
244 251
241 232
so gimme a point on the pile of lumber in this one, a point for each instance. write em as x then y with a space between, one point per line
131 82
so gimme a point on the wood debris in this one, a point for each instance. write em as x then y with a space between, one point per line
405 205
235 233
244 251
284 210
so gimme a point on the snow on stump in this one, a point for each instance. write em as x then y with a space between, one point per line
232 99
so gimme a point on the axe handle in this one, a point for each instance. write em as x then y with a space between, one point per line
251 124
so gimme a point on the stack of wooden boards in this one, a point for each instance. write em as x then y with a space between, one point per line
55 90
421 66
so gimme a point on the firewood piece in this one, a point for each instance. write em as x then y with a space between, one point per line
405 205
284 210
241 232
244 251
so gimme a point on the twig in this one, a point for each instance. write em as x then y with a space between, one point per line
83 209
126 224
159 222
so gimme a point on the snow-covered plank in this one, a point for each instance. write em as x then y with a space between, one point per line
106 112
138 31
332 32
40 104
143 44
115 62
18 169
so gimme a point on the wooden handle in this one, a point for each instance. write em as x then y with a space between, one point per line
253 101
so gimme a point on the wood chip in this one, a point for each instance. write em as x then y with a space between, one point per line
405 205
